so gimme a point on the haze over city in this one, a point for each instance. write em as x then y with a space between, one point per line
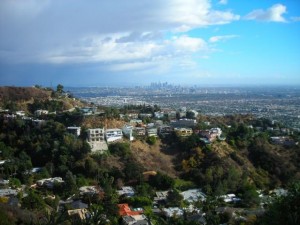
95 43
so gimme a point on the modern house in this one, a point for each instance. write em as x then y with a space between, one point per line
139 131
184 123
183 132
74 130
125 210
159 115
211 134
151 131
165 130
40 112
113 135
96 139
193 195
128 132
126 191
135 220
96 135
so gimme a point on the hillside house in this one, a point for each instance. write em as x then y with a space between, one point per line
41 112
151 131
183 132
125 210
113 135
74 130
139 131
193 195
96 139
135 220
165 130
183 123
128 132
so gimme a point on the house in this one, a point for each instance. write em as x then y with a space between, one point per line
133 115
151 131
96 140
158 123
127 191
41 112
78 214
74 130
159 115
8 192
78 204
183 132
287 141
145 115
125 210
20 113
171 114
161 196
230 198
10 116
49 182
128 132
113 135
136 122
212 134
183 123
135 220
88 110
172 212
165 130
193 195
88 190
139 131
96 135
4 182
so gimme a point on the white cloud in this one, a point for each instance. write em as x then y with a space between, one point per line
185 43
117 35
223 2
272 14
222 38
127 55
295 18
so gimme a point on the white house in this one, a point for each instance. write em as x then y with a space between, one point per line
127 131
96 139
193 195
74 130
40 112
113 135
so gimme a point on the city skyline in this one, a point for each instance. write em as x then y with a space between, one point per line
191 42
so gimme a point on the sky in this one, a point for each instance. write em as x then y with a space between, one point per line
135 42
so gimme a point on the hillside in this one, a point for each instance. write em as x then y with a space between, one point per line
22 98
21 94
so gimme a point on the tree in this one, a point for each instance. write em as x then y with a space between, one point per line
151 140
33 201
284 209
174 198
60 89
249 195
161 181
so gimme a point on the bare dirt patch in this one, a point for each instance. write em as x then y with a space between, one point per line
152 157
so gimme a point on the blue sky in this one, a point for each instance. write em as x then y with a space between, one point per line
117 43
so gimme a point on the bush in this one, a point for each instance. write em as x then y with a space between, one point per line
151 140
